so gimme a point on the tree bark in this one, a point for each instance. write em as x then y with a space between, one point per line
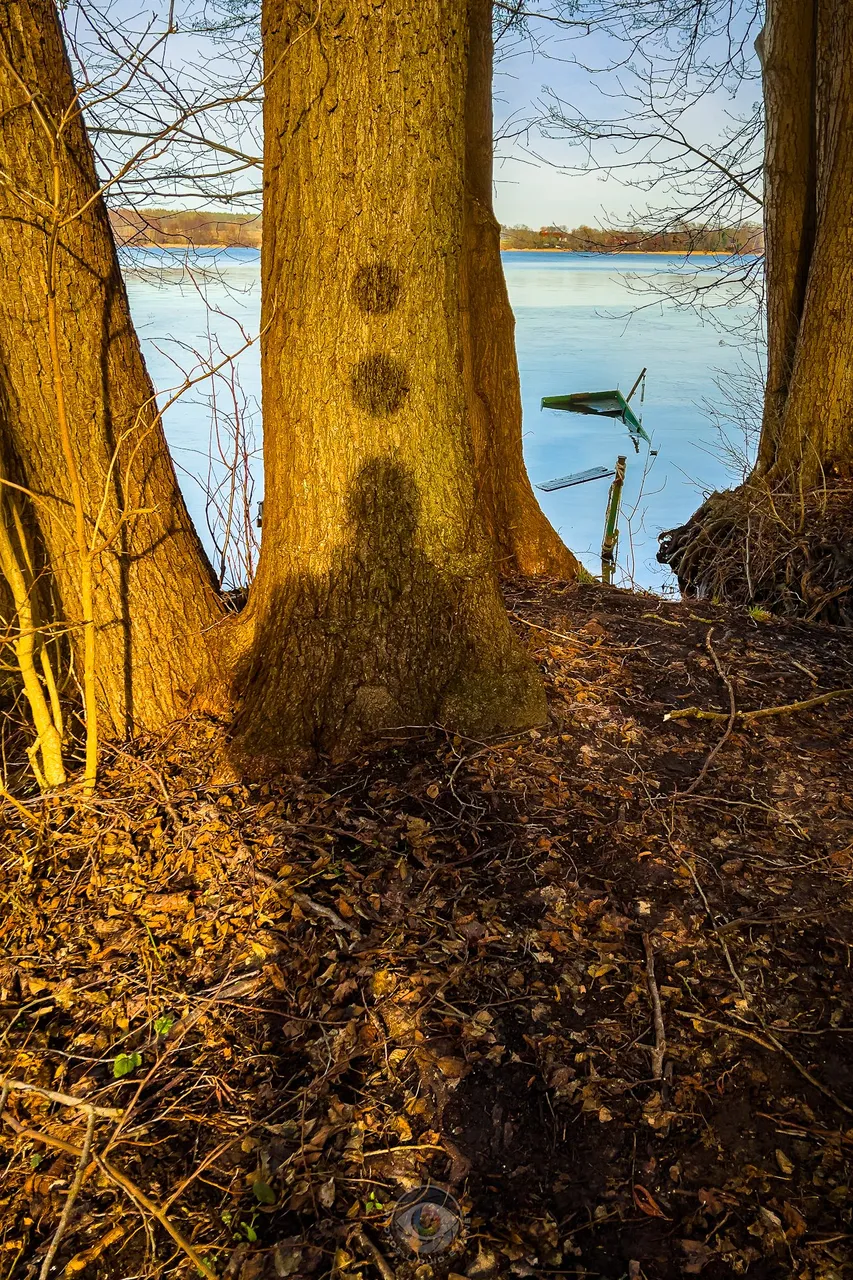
789 196
376 601
806 433
524 539
69 353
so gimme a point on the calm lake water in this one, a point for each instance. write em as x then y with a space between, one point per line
584 323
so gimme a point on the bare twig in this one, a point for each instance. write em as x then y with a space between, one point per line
659 1050
732 717
19 808
142 1201
63 1099
769 1041
70 1199
120 1179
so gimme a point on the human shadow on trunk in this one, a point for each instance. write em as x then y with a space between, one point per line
387 637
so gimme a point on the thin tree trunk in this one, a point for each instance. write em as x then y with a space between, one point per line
524 540
78 402
376 602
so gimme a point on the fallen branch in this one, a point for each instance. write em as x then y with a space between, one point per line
63 1099
697 713
317 909
559 635
361 1236
22 811
141 1200
81 1260
659 1051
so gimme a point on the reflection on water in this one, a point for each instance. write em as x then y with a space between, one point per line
578 329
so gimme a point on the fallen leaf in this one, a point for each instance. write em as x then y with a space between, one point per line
647 1204
797 1225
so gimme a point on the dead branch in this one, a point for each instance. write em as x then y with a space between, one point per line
63 1099
130 1188
361 1236
659 1050
698 713
768 1041
732 717
317 909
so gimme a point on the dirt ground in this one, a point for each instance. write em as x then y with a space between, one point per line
595 980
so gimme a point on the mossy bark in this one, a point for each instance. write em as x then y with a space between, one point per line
376 601
154 598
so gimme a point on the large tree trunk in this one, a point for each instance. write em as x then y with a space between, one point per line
71 366
376 601
783 538
525 541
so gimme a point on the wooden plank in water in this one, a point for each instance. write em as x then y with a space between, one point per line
578 477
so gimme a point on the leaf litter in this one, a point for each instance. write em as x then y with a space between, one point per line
606 1008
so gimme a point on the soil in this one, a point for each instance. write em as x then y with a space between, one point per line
310 995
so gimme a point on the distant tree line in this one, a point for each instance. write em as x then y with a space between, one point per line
186 227
747 238
205 227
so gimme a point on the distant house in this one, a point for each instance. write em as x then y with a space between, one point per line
558 234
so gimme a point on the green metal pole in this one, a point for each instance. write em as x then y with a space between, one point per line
611 523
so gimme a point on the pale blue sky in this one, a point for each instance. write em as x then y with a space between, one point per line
528 189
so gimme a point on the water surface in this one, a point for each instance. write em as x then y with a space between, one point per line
585 322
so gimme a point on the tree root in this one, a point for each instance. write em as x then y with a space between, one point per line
788 553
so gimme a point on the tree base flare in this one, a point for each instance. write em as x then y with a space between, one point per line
397 631
756 546
365 682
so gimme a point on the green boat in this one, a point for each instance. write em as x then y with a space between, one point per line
607 404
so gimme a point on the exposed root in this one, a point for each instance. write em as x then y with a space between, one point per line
790 553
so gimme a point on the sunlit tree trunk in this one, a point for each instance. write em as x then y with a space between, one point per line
376 601
79 416
525 541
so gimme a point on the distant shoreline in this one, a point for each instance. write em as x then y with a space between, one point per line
199 229
647 253
587 253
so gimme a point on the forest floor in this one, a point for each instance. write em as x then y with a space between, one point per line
594 980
